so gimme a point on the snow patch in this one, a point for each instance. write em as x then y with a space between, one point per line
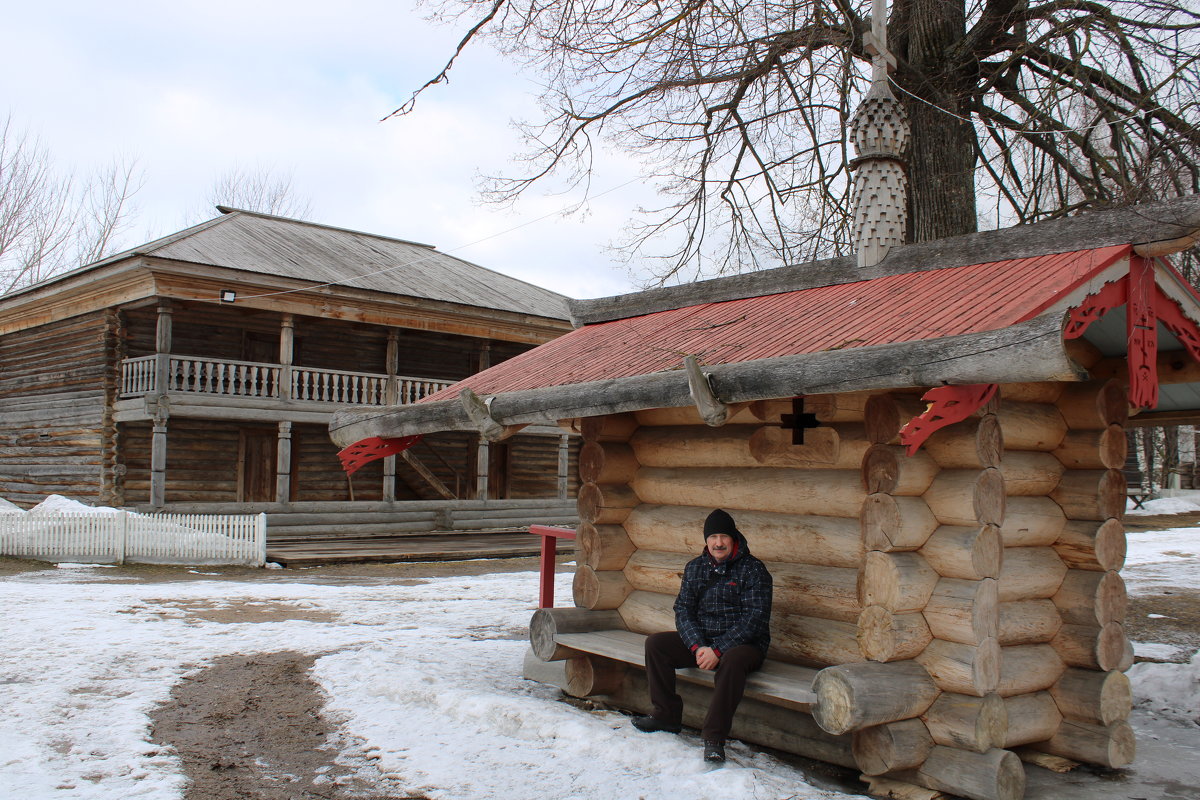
1169 690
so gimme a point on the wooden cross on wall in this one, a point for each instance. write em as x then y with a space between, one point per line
798 421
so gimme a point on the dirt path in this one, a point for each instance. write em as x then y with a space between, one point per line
251 727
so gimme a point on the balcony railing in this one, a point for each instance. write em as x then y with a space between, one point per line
212 376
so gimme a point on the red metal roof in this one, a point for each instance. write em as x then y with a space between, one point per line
898 308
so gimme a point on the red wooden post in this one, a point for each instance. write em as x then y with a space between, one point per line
549 551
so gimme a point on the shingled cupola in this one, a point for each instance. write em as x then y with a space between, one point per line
880 132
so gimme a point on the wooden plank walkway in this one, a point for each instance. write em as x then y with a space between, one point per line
419 547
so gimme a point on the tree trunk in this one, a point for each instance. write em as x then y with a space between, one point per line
941 154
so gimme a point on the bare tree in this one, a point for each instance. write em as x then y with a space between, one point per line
1020 109
259 189
51 222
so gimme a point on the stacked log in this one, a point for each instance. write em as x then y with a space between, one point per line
961 602
933 540
607 464
1092 694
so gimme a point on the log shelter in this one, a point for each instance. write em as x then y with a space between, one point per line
926 452
198 373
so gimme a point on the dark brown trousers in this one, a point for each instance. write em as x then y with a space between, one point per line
666 652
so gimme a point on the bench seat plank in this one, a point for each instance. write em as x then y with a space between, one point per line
779 683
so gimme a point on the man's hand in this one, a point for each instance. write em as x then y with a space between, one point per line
706 658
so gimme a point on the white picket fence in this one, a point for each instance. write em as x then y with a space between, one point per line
120 536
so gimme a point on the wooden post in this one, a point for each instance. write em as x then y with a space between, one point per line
283 464
1031 522
158 453
564 466
967 497
162 347
287 346
482 462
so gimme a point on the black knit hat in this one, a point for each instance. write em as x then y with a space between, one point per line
720 522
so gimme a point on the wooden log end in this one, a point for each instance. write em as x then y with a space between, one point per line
589 675
892 747
599 589
994 775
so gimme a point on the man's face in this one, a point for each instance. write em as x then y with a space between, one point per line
720 545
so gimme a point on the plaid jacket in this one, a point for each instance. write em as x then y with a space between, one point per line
723 605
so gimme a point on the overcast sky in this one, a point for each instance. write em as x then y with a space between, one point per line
192 89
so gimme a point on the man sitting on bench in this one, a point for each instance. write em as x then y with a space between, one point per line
722 616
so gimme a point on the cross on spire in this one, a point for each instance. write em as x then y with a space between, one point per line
880 133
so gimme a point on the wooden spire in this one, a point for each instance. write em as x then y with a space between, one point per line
880 132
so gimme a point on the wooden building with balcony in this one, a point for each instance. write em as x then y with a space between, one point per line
199 373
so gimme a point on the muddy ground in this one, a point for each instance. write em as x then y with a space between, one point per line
252 726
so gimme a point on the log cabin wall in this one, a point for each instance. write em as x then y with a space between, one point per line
54 433
532 466
202 461
977 578
317 474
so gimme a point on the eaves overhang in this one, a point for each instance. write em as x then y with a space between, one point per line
1028 351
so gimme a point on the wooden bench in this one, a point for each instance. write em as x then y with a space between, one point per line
1138 496
776 682
571 633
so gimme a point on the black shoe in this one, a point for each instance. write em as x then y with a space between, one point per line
652 724
714 751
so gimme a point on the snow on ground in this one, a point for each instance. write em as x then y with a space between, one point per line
1163 505
427 675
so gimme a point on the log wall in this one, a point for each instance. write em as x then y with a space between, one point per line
984 567
55 435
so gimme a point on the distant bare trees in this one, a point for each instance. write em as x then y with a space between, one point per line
50 220
259 189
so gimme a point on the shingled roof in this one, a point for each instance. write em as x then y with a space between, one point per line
961 310
270 245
